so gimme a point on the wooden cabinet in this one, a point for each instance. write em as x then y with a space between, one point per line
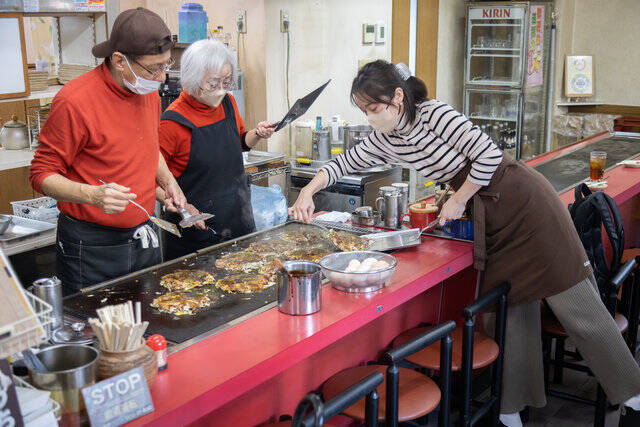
14 185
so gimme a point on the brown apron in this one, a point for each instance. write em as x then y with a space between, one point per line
524 234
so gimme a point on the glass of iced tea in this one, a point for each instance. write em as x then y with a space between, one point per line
598 161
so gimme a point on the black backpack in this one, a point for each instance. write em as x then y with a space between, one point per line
590 212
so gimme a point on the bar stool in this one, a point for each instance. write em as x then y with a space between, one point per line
470 354
365 388
408 394
553 330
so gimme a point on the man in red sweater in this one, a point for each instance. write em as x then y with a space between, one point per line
99 150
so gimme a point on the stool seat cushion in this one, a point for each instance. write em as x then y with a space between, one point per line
418 394
551 324
630 253
485 350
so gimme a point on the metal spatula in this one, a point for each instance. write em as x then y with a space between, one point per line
188 220
165 225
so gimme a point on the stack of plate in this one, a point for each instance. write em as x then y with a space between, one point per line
38 80
68 72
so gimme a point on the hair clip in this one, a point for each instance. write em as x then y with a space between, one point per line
404 71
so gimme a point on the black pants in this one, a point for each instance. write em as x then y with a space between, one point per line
88 253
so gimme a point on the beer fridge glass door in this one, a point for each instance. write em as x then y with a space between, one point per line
495 44
496 113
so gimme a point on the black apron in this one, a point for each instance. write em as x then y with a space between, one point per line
87 253
214 182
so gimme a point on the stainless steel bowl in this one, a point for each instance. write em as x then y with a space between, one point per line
334 266
5 222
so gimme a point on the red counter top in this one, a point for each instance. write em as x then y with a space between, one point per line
217 370
212 373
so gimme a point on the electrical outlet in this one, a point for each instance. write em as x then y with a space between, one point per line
241 21
284 21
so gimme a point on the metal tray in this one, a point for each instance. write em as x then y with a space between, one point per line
391 240
22 229
182 331
259 158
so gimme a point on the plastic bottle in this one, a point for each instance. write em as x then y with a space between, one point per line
192 23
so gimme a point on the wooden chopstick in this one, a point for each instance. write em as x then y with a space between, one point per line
119 327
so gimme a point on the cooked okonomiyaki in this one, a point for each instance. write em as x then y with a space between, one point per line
348 242
186 279
244 283
239 261
181 302
304 237
314 254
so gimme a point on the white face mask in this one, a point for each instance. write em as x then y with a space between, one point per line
212 99
385 121
141 86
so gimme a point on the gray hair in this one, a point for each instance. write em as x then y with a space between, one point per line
202 57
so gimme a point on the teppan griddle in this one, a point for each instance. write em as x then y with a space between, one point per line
144 285
567 170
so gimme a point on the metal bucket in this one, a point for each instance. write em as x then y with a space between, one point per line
70 369
300 291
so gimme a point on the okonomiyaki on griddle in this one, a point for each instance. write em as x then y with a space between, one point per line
244 283
348 242
181 302
186 279
239 261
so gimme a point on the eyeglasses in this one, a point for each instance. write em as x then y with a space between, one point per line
226 83
163 68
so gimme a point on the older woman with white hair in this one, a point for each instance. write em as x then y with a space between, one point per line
202 137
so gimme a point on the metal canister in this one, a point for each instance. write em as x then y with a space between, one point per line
300 290
321 145
403 201
49 289
387 204
355 134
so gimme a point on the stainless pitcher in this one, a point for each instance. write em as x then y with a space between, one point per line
49 289
300 289
388 204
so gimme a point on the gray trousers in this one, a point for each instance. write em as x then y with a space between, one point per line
590 327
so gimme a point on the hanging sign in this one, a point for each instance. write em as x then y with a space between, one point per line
535 47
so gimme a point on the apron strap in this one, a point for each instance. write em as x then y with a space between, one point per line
178 118
479 228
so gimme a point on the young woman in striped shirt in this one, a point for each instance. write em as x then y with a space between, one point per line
523 232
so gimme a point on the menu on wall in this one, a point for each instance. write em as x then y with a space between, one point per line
535 58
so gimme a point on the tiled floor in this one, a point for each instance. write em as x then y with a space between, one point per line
563 413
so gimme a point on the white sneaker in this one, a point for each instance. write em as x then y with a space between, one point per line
511 420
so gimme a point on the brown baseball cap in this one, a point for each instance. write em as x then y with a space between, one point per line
137 32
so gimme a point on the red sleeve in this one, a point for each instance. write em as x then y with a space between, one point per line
241 129
62 137
175 145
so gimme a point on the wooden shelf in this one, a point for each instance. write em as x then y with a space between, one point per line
50 92
60 14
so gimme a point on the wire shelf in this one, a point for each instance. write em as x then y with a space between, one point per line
29 331
36 117
56 406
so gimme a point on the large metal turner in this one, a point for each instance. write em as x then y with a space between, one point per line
188 220
165 225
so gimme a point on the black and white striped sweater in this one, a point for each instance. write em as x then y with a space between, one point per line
438 144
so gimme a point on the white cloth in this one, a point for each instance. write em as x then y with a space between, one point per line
146 235
334 216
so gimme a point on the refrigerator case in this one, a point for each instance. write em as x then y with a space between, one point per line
506 73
